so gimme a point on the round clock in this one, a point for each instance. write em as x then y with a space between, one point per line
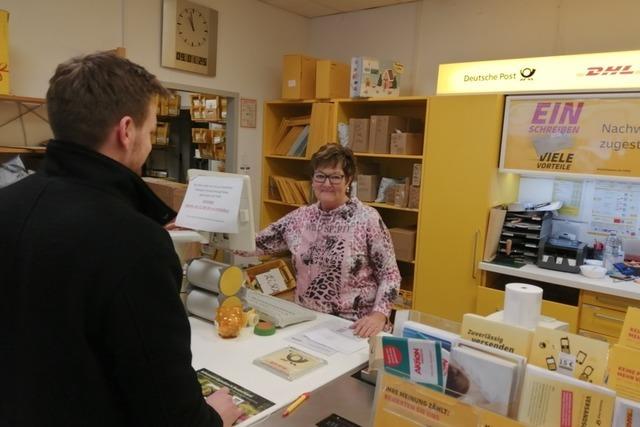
192 27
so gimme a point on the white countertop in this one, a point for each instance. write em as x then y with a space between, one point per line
233 359
605 285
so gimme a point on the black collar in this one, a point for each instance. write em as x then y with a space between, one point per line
71 160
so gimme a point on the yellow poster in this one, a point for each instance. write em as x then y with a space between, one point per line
624 371
630 335
4 52
569 354
401 403
584 134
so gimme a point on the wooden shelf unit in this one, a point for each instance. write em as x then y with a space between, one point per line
390 165
24 129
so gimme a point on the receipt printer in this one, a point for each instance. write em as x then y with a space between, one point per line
561 254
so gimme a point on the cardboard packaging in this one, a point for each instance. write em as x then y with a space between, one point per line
368 187
332 79
406 143
298 77
414 197
359 135
372 77
171 193
416 176
380 131
4 52
404 243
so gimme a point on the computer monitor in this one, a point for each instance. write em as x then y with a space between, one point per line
245 238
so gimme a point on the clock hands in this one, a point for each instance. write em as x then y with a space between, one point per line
191 22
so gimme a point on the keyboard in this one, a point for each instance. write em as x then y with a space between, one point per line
276 310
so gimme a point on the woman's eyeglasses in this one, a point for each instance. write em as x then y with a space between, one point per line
320 178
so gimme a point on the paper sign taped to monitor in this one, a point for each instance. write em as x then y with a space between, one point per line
211 204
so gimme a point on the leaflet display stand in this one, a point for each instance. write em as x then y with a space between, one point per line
402 403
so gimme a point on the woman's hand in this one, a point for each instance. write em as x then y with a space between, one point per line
369 325
223 404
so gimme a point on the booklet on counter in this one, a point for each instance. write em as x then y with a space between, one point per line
289 362
250 403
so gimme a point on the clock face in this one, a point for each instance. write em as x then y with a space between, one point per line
192 27
189 36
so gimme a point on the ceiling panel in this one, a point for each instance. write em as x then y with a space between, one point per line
316 8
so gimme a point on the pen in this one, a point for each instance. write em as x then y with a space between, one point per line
295 404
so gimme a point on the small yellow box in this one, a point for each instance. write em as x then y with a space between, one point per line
332 79
298 77
4 52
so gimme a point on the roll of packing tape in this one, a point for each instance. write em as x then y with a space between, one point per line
264 329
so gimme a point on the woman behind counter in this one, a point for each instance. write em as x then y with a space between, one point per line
341 250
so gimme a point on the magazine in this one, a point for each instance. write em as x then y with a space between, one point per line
250 403
289 362
627 413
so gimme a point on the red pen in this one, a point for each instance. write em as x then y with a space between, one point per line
295 404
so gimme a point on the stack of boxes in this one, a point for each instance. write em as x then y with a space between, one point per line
304 77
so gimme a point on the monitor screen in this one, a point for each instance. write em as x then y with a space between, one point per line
244 238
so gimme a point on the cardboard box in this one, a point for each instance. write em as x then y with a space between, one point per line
298 77
416 176
367 187
4 53
372 77
332 79
380 131
406 143
359 135
171 193
404 243
414 197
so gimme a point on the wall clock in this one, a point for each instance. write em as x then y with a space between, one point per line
189 36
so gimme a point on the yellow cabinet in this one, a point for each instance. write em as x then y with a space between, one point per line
460 185
601 320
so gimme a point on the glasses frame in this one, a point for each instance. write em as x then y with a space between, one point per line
338 178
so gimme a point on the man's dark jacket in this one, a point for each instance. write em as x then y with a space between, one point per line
92 330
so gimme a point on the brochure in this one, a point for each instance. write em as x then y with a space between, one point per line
498 335
627 413
250 403
414 359
486 377
569 354
624 371
550 399
630 335
290 363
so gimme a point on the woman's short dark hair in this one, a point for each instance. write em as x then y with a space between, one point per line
89 94
333 155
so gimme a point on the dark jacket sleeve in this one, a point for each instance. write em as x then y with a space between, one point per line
147 339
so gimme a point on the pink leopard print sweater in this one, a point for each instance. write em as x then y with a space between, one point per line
344 259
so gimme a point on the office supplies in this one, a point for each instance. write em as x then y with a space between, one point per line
276 310
295 404
264 329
